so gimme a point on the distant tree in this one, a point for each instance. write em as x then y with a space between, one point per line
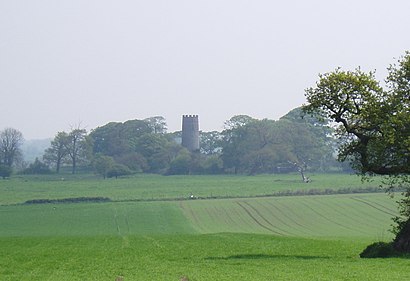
301 146
5 171
237 121
133 160
157 124
264 146
211 164
119 140
233 141
77 147
258 151
103 165
154 148
118 170
141 145
10 146
37 168
210 142
181 164
57 151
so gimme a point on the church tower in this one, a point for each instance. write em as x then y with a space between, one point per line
190 132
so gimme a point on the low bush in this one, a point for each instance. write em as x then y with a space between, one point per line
379 250
69 200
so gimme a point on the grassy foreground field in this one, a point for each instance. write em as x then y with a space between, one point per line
268 238
198 257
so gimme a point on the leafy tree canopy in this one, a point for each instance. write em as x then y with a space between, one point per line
373 124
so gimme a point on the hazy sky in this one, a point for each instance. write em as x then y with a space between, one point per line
63 62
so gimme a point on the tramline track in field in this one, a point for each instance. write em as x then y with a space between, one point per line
303 216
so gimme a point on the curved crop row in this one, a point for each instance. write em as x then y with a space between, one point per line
362 215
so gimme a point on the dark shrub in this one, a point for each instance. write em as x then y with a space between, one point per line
379 250
118 170
5 171
37 168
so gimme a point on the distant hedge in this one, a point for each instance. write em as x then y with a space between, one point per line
69 200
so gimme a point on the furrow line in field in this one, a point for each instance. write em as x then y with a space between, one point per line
339 208
284 214
329 220
227 219
243 217
374 205
127 223
188 210
267 221
257 221
289 209
116 222
381 205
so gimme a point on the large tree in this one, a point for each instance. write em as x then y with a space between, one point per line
10 146
210 142
373 124
77 147
233 141
57 151
157 124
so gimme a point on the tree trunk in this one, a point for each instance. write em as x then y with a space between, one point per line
74 165
58 167
402 241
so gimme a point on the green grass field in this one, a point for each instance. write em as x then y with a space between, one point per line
269 238
21 189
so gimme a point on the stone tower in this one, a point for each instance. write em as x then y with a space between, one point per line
190 132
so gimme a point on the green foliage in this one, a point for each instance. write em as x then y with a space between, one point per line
10 146
73 148
181 164
57 153
141 145
212 165
157 124
374 123
78 146
5 171
103 164
37 168
265 146
210 142
118 170
379 250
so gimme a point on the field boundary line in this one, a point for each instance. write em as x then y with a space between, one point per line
295 193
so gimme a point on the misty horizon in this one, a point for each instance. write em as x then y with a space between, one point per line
70 62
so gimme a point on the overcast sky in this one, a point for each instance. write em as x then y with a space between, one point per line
65 62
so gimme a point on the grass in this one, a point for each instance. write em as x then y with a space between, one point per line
358 215
93 219
199 257
21 189
272 238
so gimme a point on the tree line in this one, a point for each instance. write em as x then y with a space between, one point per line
295 142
